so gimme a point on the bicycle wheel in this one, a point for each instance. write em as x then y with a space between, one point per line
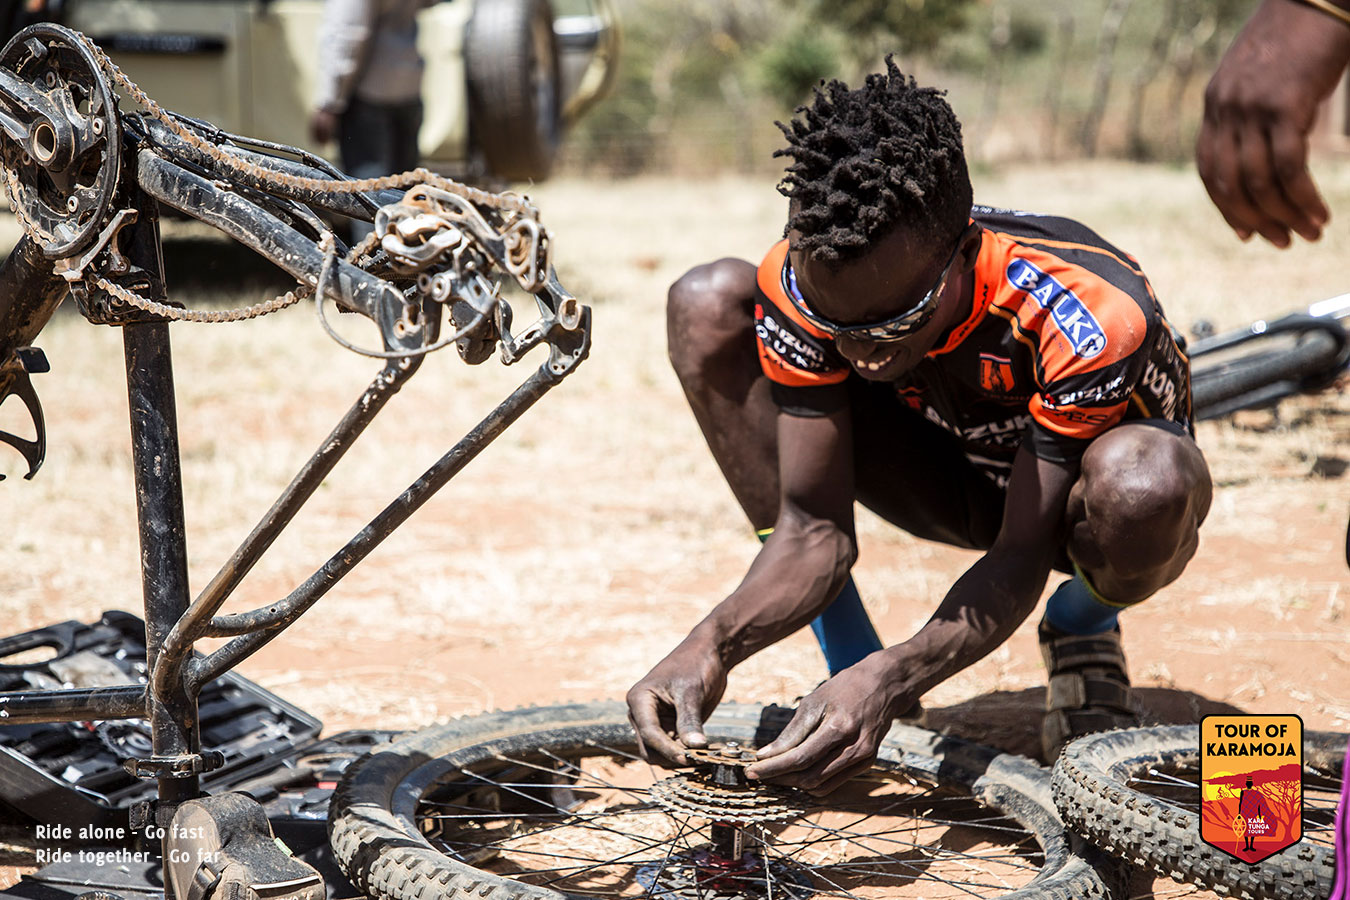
1310 357
1136 794
555 802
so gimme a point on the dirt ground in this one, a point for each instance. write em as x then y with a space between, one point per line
582 545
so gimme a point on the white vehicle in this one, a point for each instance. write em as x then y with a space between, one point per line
503 77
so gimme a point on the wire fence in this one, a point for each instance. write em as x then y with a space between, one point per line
1031 81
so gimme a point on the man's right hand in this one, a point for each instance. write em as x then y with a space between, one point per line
674 698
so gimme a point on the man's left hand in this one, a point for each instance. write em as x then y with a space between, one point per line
323 126
837 730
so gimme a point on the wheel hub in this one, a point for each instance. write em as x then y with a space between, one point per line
716 788
698 873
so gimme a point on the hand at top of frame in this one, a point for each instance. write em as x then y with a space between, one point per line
674 698
1259 107
837 729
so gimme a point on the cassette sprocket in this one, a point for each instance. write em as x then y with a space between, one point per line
718 790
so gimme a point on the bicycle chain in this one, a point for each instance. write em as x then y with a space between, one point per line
12 189
267 307
477 196
179 314
517 206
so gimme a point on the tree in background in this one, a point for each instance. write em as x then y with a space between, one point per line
705 72
1189 36
1105 70
908 28
795 62
701 81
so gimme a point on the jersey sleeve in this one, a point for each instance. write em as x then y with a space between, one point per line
1071 411
1093 339
806 370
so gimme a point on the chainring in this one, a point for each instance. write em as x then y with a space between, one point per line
64 202
127 739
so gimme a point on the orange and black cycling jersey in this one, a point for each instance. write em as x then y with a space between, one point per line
1065 339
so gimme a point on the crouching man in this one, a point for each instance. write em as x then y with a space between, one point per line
990 379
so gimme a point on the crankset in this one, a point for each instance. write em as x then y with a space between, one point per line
63 160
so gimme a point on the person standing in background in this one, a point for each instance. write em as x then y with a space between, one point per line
369 95
15 15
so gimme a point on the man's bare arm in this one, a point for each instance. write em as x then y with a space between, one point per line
796 574
839 727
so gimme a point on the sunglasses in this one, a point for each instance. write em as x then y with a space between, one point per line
892 329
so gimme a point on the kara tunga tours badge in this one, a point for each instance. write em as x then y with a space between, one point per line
1251 784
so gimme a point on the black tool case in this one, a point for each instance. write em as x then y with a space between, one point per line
72 772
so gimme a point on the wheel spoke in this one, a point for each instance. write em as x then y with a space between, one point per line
839 890
512 789
584 863
858 840
582 819
637 792
664 861
615 751
500 843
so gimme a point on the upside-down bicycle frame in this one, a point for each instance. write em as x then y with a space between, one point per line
29 293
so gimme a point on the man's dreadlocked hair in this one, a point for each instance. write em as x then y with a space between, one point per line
870 159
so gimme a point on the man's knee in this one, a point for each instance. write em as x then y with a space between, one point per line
710 316
1144 492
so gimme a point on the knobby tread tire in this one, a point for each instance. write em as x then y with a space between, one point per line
382 852
1312 356
1090 788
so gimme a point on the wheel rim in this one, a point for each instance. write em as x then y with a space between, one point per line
584 820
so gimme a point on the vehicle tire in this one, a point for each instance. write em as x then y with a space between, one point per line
511 64
1314 355
387 806
1135 795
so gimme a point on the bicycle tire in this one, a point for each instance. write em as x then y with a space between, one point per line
1315 355
379 846
1091 788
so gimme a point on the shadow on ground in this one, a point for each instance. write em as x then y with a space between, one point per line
1011 720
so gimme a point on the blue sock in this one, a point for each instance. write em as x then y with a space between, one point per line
1076 608
844 630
